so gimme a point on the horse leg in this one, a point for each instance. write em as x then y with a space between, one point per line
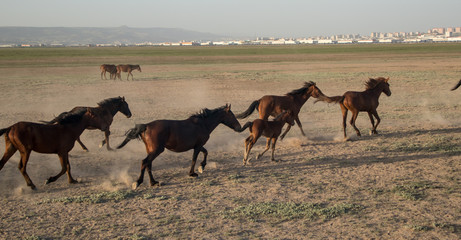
245 154
299 125
106 140
147 163
65 167
22 168
203 163
344 111
286 131
81 144
378 120
273 149
268 144
101 74
352 122
10 150
194 160
249 142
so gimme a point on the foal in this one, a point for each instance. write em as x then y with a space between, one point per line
270 129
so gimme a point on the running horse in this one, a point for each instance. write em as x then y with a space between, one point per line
457 85
270 129
112 69
366 101
127 68
179 136
271 105
104 115
59 139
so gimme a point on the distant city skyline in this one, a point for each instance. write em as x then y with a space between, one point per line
238 18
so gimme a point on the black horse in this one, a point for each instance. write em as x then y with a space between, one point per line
104 113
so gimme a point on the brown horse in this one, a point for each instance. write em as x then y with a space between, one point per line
59 138
271 105
104 115
112 69
457 85
179 136
127 68
366 101
270 129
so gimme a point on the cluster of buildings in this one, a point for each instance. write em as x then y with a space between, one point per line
449 34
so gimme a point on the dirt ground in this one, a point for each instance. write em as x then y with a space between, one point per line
404 183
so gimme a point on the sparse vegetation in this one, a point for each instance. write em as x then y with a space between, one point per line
287 211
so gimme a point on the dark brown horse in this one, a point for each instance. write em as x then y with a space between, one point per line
112 69
366 101
457 85
127 68
271 105
270 129
104 115
59 138
179 136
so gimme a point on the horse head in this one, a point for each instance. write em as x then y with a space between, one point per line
138 67
229 118
123 107
315 92
386 88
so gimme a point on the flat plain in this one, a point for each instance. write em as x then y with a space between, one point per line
404 183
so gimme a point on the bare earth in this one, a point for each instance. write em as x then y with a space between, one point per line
404 183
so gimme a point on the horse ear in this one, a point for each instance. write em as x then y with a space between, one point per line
387 79
228 107
123 98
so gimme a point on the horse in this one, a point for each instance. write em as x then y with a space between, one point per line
271 105
112 69
366 101
179 136
59 138
104 115
270 129
127 68
457 85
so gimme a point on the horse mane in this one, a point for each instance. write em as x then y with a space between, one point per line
205 112
302 90
71 117
109 102
373 82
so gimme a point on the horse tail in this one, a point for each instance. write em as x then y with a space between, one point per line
335 99
247 125
457 85
249 111
133 134
56 119
4 130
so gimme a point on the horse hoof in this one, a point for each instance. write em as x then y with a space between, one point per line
134 186
73 181
193 175
48 181
200 169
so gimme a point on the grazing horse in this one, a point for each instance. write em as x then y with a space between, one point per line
457 85
271 105
366 101
179 136
112 69
127 68
104 115
59 138
270 129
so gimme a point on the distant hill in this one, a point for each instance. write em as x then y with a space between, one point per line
90 35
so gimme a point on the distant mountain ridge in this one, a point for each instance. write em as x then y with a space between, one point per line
96 35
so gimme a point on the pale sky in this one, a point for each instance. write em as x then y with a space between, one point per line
236 18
